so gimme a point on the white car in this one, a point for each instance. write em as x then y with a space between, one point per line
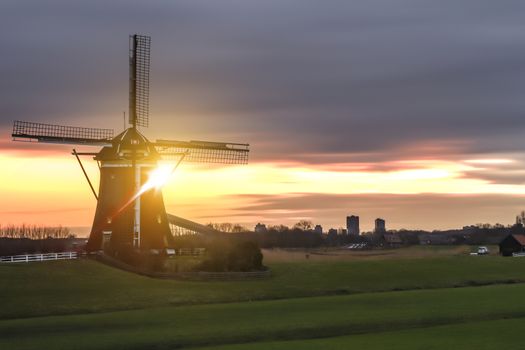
483 251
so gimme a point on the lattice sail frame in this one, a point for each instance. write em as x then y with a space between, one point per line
52 133
139 53
204 151
193 151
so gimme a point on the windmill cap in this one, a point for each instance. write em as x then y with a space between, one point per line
127 145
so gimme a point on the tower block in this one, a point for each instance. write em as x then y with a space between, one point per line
124 219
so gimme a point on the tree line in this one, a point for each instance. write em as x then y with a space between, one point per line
302 235
299 235
35 231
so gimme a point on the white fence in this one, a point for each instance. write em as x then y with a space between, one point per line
38 257
186 251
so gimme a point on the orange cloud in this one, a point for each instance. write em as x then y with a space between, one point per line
51 189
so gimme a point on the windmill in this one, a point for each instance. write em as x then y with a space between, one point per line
130 213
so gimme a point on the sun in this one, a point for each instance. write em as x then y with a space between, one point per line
158 177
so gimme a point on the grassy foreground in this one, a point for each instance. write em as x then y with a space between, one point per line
485 335
173 327
333 303
86 286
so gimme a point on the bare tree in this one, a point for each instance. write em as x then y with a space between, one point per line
278 228
34 231
304 225
520 218
239 228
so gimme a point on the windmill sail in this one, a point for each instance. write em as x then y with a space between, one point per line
124 163
51 133
139 62
204 151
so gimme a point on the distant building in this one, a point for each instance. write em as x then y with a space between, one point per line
332 238
352 225
512 244
260 228
342 231
391 240
318 229
380 226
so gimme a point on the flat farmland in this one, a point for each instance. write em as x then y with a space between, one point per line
399 300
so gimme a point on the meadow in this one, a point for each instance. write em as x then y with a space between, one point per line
413 298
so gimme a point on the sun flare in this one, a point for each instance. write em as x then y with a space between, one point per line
158 177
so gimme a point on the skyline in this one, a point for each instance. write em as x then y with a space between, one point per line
387 109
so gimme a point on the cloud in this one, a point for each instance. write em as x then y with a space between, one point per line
508 169
307 82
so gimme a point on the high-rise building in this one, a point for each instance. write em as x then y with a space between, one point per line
318 229
352 225
380 226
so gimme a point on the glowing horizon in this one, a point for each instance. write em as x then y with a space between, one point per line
213 193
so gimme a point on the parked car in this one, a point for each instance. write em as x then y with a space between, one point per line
483 251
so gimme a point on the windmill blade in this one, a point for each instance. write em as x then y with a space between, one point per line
204 151
139 61
50 133
192 226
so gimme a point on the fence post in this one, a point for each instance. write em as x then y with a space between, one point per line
39 257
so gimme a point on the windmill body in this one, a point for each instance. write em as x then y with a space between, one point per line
115 224
127 215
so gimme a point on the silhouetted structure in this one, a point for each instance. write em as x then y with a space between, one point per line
318 229
260 228
380 226
512 244
352 225
391 240
129 213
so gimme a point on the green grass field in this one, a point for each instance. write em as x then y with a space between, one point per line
483 335
443 298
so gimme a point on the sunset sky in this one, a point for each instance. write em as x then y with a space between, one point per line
412 111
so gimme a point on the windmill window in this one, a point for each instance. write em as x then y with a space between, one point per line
106 237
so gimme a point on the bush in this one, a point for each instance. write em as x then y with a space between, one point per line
128 255
140 259
217 257
245 256
224 255
156 262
